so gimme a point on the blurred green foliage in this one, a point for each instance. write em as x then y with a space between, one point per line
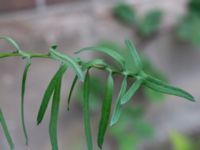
182 142
144 26
188 28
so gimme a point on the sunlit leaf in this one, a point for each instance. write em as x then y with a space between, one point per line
54 115
134 54
71 90
131 91
99 63
112 53
28 64
48 93
86 111
67 59
6 131
117 109
105 111
162 87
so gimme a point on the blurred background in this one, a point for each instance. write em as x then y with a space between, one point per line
167 35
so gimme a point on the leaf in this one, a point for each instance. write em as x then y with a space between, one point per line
48 93
135 86
162 87
134 54
124 13
11 41
150 23
95 63
28 64
115 55
6 131
105 112
71 90
67 59
117 109
54 114
86 111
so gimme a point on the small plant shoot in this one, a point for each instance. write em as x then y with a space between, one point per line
82 74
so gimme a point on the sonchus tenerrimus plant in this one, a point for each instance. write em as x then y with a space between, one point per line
82 73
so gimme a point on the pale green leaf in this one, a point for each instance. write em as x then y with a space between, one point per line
162 87
117 109
11 41
86 111
23 88
6 131
112 53
131 91
105 111
67 59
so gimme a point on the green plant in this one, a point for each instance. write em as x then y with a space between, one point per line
82 73
188 28
145 26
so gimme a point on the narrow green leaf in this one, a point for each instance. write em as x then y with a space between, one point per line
135 86
11 41
105 111
115 55
86 111
71 90
117 109
6 131
28 64
95 63
54 114
48 93
134 54
162 87
67 59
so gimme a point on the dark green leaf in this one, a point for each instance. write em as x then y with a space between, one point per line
6 131
71 90
28 64
70 61
115 55
135 86
151 22
117 109
105 111
54 115
48 93
134 54
124 13
162 87
11 41
86 111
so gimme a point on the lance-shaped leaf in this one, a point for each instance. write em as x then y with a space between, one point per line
99 63
86 111
117 109
113 54
48 93
71 90
23 87
11 41
105 111
54 115
131 91
6 131
134 54
67 59
162 87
